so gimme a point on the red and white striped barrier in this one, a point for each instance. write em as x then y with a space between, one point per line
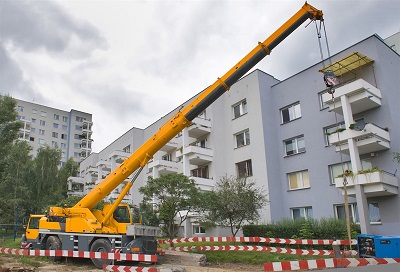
326 263
314 252
258 240
120 268
81 254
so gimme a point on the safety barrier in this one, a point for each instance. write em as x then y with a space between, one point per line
120 268
258 240
326 263
81 254
314 252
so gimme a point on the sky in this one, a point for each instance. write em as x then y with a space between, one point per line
130 62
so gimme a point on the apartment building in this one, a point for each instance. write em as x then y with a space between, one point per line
293 138
69 131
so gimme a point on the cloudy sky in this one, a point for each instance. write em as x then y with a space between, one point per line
130 62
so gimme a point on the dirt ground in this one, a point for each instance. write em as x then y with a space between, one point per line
175 261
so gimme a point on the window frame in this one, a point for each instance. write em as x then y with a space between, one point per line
294 111
248 168
243 109
297 149
197 229
300 180
246 138
307 212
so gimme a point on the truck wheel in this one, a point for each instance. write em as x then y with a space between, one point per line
54 243
101 245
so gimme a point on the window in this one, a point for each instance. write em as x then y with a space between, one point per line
43 114
198 230
322 99
54 134
64 127
338 169
56 117
42 123
295 146
244 169
167 157
64 136
54 144
78 127
299 180
242 138
33 130
303 212
290 113
55 125
65 119
239 109
75 145
41 131
76 154
79 119
77 136
373 210
33 120
63 155
200 172
41 141
20 108
127 149
34 111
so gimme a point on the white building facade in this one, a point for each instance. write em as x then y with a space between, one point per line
70 131
284 135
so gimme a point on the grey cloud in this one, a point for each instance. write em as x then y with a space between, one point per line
42 24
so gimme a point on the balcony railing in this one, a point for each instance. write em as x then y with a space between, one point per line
375 184
370 139
166 167
198 155
205 184
199 128
168 147
362 97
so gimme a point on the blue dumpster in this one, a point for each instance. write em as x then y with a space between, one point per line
378 246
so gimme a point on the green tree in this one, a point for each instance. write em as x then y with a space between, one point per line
9 127
396 156
175 197
44 181
15 195
233 202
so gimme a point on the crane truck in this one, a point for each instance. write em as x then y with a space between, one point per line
84 228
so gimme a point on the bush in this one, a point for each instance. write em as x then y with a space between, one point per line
325 228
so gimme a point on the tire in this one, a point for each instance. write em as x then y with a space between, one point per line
101 245
54 243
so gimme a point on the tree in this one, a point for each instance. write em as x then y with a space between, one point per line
396 156
9 127
233 202
175 196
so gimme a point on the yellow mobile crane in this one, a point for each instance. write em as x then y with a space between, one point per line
83 228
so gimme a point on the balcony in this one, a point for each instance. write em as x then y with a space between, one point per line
168 147
375 184
166 167
119 156
204 184
370 139
199 128
362 97
75 186
87 125
198 155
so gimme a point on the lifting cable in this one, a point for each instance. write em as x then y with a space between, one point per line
330 82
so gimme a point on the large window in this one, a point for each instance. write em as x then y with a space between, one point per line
302 212
242 138
200 172
290 113
338 169
295 145
239 109
198 230
244 169
299 180
373 210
